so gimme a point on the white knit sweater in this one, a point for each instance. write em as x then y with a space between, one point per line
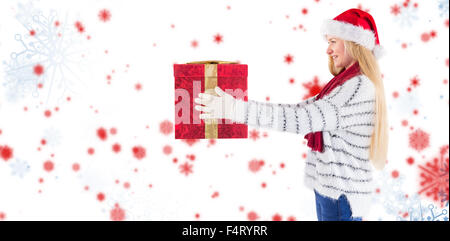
346 116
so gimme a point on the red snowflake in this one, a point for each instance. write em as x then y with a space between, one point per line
194 43
395 9
415 81
117 214
38 70
138 152
166 127
360 7
255 165
79 26
313 88
252 216
6 152
433 34
104 15
419 140
276 217
218 38
435 176
254 134
186 168
190 142
289 59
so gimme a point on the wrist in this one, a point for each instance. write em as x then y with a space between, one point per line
240 109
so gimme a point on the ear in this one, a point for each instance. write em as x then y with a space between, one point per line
219 91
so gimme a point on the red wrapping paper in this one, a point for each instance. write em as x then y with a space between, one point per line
189 82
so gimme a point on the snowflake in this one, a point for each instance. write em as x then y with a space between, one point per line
186 168
406 15
406 103
435 176
419 140
52 137
403 206
52 47
254 134
313 88
190 142
288 59
443 8
19 168
104 15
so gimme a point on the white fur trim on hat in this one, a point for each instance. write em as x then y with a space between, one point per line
349 32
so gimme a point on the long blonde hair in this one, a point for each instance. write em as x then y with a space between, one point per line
369 67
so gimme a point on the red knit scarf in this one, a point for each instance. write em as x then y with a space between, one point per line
315 139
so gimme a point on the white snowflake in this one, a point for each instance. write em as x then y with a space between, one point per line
53 46
19 168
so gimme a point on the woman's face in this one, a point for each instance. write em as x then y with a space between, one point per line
336 49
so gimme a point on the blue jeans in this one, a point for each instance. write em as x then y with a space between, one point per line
329 209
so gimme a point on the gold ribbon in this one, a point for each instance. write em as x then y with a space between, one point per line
211 128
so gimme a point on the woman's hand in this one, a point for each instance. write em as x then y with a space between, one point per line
222 106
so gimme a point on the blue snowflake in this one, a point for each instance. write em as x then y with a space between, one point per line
19 168
53 46
443 7
405 207
52 136
407 16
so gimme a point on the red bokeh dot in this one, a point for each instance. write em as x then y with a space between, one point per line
139 152
75 167
47 113
425 37
395 174
91 151
38 69
100 196
251 216
113 131
167 149
48 166
404 123
102 134
410 160
116 148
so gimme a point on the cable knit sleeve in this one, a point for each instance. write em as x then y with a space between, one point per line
347 106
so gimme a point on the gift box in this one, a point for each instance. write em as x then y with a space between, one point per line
202 77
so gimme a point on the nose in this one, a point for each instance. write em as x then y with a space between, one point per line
329 50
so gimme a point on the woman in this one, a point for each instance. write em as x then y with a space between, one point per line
345 124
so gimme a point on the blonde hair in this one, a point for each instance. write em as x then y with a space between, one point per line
369 67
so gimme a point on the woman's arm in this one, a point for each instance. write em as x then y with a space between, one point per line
347 106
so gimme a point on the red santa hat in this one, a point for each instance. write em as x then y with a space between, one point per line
357 26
